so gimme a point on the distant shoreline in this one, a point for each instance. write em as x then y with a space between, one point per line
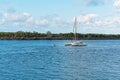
59 39
54 38
20 35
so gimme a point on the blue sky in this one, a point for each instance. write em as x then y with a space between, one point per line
57 16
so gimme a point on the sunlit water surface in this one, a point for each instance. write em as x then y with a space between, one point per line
42 60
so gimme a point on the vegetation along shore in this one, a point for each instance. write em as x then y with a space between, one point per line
20 35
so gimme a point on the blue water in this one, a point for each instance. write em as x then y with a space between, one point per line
40 60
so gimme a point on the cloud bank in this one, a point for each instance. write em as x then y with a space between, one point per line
117 3
86 21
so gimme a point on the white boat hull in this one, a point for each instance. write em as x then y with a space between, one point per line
77 43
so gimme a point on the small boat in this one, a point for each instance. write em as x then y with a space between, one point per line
75 42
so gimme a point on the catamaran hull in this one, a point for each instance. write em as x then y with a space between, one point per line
76 44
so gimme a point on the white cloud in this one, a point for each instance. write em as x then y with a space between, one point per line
112 21
2 21
16 24
41 22
30 21
57 21
94 22
16 16
107 22
117 3
26 19
109 25
87 18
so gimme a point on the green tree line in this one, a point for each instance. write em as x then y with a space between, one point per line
20 35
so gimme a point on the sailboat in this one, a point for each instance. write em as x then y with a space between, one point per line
75 42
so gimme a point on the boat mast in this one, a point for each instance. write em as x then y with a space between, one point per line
75 29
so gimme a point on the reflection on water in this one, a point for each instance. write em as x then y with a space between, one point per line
41 60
